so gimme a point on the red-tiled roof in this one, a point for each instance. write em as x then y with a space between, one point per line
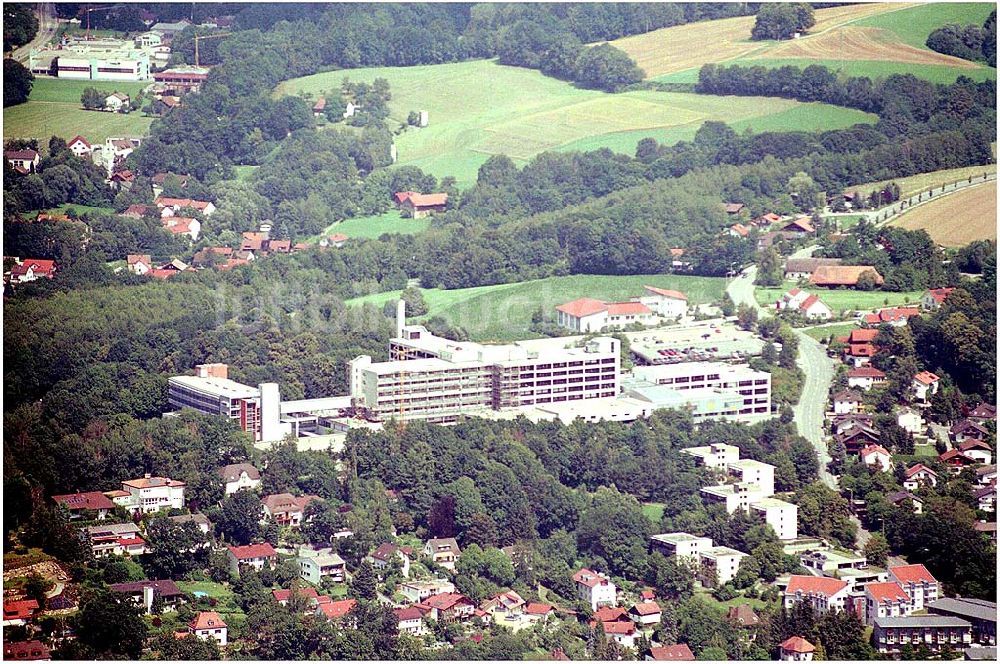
926 377
815 585
408 613
910 472
800 224
339 237
135 210
19 609
207 620
78 139
445 601
912 574
675 653
385 551
891 315
646 608
862 336
666 292
20 154
842 275
627 309
584 306
164 201
874 449
537 609
252 241
91 500
401 196
131 541
957 457
769 218
611 614
862 350
974 444
740 230
285 595
940 294
26 651
886 591
427 200
251 551
865 372
588 578
797 644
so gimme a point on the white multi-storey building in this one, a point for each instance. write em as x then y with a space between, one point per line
716 455
719 565
595 589
781 516
150 494
753 386
681 545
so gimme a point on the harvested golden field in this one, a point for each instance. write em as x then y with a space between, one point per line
852 42
957 219
675 49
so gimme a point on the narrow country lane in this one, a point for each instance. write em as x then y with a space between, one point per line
47 27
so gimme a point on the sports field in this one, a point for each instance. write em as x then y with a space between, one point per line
481 108
374 226
54 109
956 219
503 312
842 299
859 40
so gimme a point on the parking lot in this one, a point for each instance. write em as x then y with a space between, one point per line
715 339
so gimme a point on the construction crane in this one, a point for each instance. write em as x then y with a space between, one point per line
198 38
98 9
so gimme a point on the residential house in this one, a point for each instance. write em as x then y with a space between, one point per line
139 263
803 268
144 592
136 211
151 494
116 101
665 302
417 206
932 299
163 104
855 438
738 230
285 509
159 179
966 429
595 589
209 625
449 607
504 606
26 651
987 528
623 633
918 583
836 276
199 520
171 206
719 566
865 378
182 226
22 161
675 653
256 556
859 355
318 564
443 552
909 420
986 498
919 475
808 305
876 455
238 476
823 593
742 616
986 475
682 545
117 539
31 269
645 614
886 600
901 498
842 423
212 256
89 506
956 461
537 612
383 556
982 615
418 591
800 226
892 634
846 401
19 612
309 594
984 412
411 621
80 146
796 649
336 240
734 208
977 450
894 316
925 384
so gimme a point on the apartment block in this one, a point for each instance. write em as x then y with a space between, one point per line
681 545
934 632
210 391
781 516
716 455
719 565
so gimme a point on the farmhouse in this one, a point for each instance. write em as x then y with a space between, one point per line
115 102
22 161
417 206
833 276
803 268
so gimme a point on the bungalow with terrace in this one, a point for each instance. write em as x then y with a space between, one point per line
19 612
844 276
803 268
418 591
595 589
977 450
151 494
504 606
89 506
865 378
821 592
886 600
116 539
443 551
285 509
925 385
239 476
22 161
256 556
934 298
416 206
918 583
917 476
878 456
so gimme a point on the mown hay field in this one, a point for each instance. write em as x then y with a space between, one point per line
955 220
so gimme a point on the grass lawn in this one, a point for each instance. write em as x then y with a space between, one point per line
79 210
844 221
225 599
653 511
913 24
706 594
842 299
244 173
503 312
822 332
374 226
873 69
915 184
480 108
53 109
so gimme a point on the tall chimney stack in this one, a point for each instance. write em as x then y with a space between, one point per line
400 317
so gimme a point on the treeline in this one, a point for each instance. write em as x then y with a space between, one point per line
970 42
902 101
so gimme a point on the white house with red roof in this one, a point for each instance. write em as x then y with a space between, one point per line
79 504
151 494
645 614
411 620
31 269
22 161
885 599
676 653
623 633
977 450
590 315
538 611
876 455
918 583
822 592
796 649
865 378
209 625
925 385
416 205
665 302
595 589
934 298
171 206
256 556
806 304
894 316
139 263
917 476
182 226
80 146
